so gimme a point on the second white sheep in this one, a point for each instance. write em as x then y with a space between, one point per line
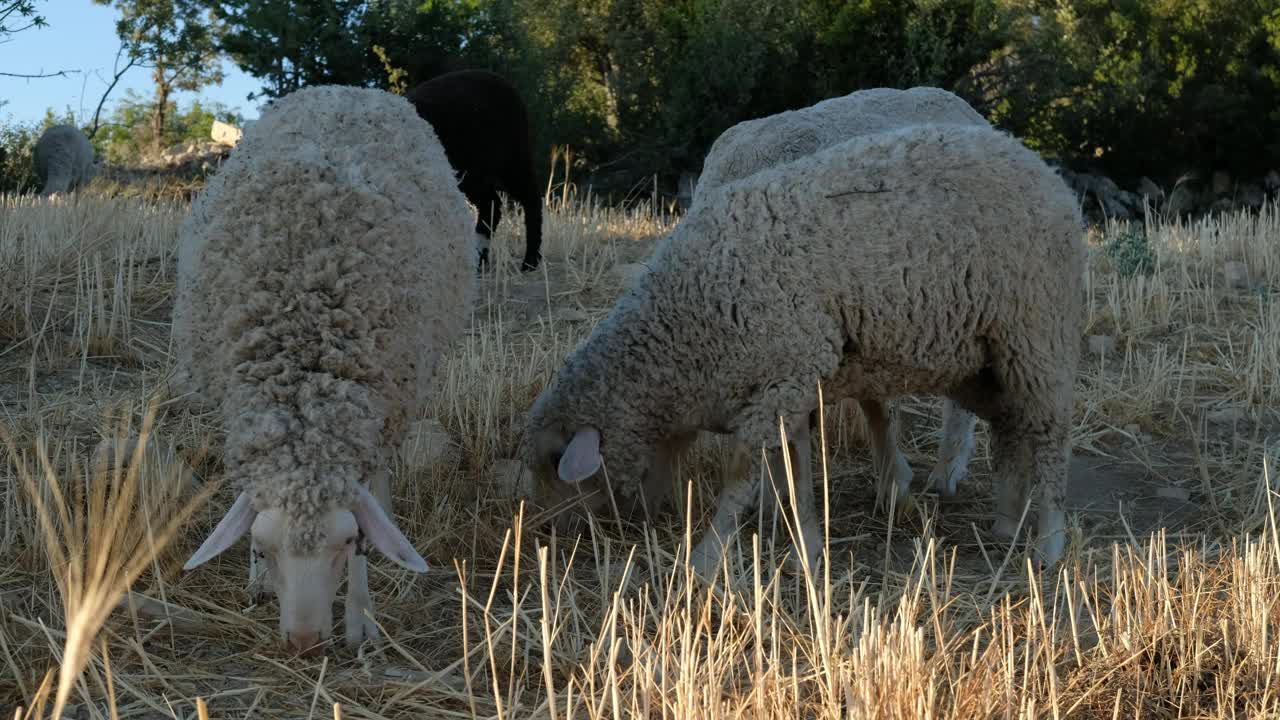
761 143
932 259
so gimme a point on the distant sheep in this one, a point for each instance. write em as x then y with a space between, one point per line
322 273
755 145
64 160
930 259
484 127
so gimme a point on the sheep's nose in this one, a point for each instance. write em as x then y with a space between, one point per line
304 643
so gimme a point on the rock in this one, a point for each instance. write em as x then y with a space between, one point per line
1174 493
1101 344
1272 182
1252 196
1226 415
1150 191
628 272
162 466
1237 275
427 443
225 134
1221 183
1133 429
572 315
1105 194
1183 200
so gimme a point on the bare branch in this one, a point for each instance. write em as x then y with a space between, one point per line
60 73
119 73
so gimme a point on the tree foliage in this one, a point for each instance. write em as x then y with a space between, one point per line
638 87
176 40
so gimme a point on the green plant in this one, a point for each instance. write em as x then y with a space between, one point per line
1130 253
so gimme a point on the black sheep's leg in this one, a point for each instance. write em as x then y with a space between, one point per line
490 214
531 202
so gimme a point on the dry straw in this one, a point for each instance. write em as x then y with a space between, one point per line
1168 606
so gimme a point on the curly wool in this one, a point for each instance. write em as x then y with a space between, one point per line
760 143
63 159
322 272
895 263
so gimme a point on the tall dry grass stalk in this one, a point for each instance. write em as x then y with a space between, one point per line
1169 605
101 527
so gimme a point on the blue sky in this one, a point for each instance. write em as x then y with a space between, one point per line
81 35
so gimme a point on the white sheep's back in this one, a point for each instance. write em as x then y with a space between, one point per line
334 192
761 143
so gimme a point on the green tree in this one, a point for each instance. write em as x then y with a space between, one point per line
289 44
1144 87
176 39
127 132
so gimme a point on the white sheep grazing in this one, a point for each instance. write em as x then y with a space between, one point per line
755 145
931 259
322 272
64 160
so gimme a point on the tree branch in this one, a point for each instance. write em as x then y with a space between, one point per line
119 73
60 73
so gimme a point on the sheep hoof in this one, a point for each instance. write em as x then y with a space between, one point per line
946 476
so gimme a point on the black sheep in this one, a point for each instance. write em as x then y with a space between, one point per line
484 128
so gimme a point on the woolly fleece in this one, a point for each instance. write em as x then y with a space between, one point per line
321 274
63 159
761 143
932 259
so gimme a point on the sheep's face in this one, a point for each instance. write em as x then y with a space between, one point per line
306 582
574 499
305 576
566 467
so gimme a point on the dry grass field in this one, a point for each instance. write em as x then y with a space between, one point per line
1168 604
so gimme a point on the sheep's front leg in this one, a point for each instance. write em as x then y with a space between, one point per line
747 492
380 488
801 514
359 606
260 583
956 449
891 465
663 478
736 497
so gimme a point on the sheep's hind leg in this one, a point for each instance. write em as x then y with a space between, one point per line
359 624
894 471
956 449
1021 460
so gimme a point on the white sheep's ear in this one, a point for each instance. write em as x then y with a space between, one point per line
384 534
581 458
235 523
